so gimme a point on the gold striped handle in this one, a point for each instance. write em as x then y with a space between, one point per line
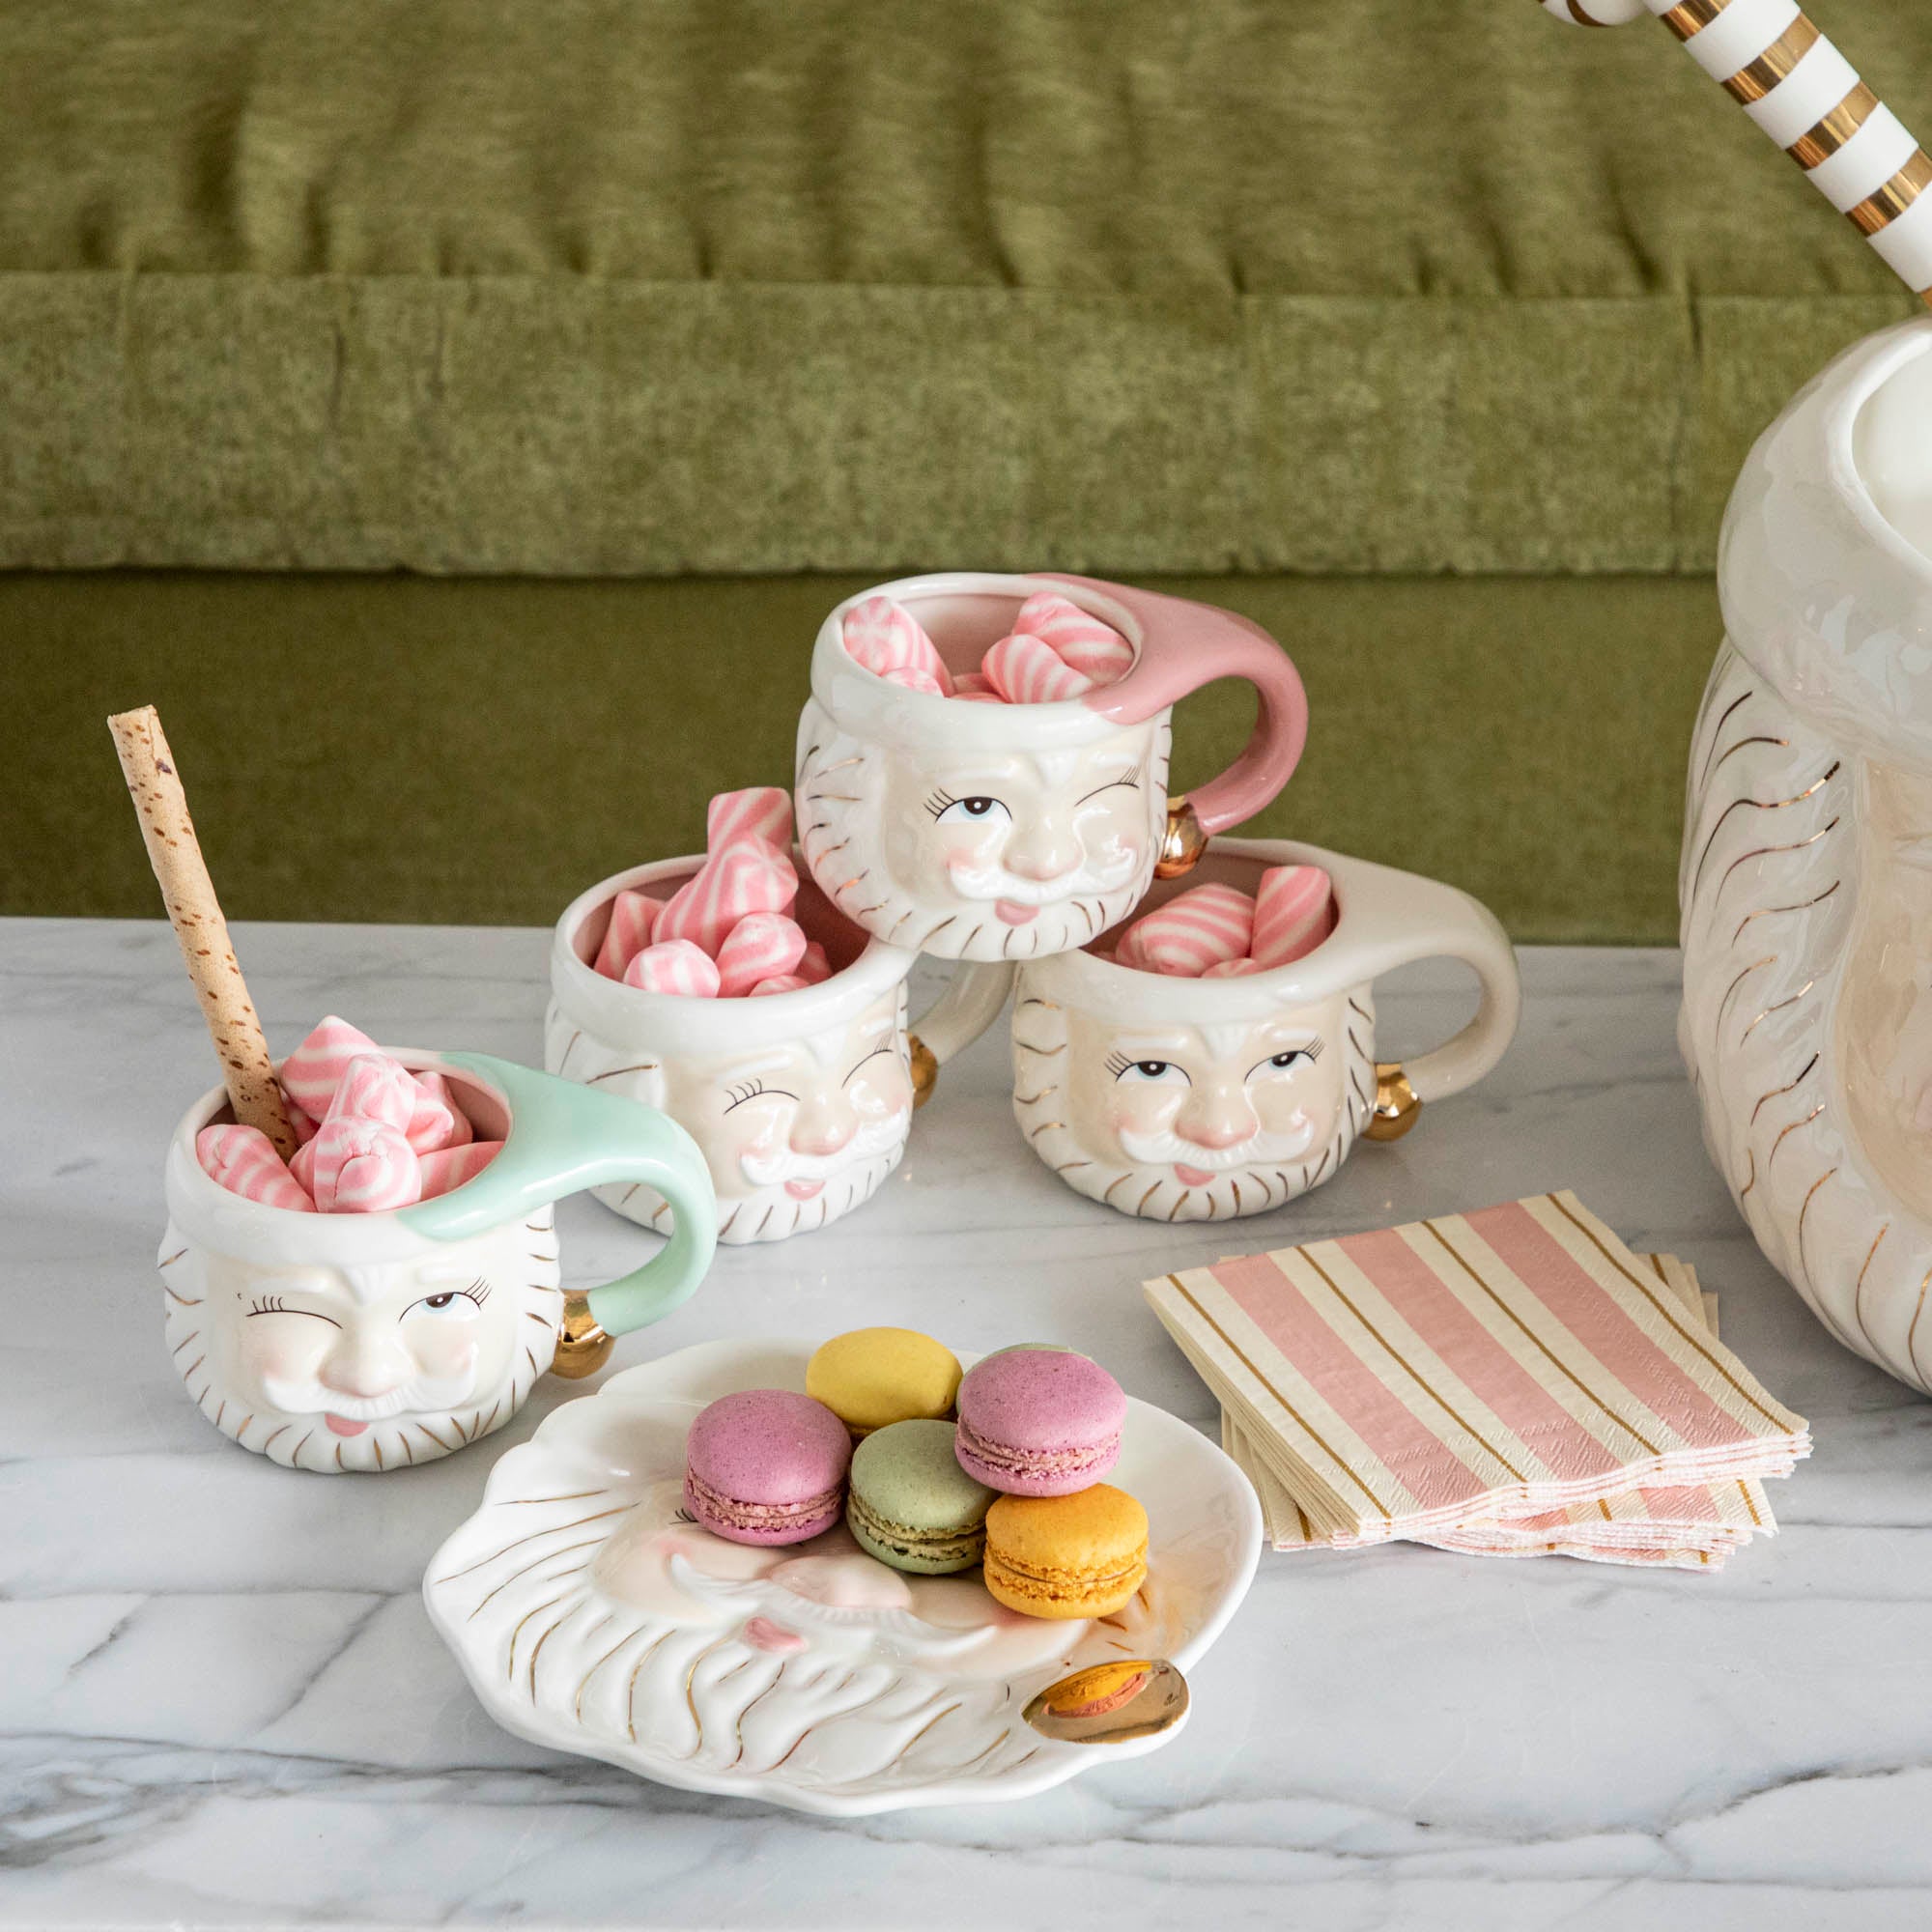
1769 57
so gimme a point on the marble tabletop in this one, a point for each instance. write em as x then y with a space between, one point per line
221 1702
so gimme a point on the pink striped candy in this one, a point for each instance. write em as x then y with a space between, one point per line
301 1164
447 1168
912 678
632 915
375 1088
814 966
312 1072
1295 912
975 688
1200 927
1234 969
784 982
302 1123
1082 644
750 874
674 966
363 1167
762 810
436 1122
1025 669
761 946
886 638
244 1161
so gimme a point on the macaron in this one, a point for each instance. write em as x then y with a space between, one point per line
1082 1555
876 1377
1040 1421
912 1505
766 1466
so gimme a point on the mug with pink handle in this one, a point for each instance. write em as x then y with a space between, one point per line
991 831
1184 1094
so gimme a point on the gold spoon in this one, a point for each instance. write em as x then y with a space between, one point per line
1109 1703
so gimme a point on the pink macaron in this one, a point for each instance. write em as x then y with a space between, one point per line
1039 1422
766 1466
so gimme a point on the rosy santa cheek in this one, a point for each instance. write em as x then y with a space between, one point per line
443 1348
276 1348
1138 1116
878 1097
757 1132
1281 1110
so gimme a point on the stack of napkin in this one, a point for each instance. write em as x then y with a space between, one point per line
1509 1382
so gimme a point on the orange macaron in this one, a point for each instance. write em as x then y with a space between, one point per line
1082 1555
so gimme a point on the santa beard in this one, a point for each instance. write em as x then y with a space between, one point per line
759 1676
1157 1193
1066 913
772 1213
767 1213
1261 1148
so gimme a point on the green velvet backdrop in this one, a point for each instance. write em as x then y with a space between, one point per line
632 315
424 750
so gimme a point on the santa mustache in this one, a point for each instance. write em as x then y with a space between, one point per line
1167 1148
994 882
910 1635
773 1167
421 1395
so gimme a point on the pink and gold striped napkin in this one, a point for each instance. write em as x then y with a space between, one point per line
1512 1381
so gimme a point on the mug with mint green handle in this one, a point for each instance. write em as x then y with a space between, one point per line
372 1341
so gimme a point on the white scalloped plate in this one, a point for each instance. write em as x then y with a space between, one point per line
589 1617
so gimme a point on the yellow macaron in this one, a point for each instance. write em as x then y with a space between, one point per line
876 1377
1082 1555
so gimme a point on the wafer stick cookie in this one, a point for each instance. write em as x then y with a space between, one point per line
195 913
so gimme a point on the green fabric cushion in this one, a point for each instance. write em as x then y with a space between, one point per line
656 286
469 751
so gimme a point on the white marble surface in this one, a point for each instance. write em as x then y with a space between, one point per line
221 1702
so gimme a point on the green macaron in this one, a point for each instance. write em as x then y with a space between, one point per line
912 1505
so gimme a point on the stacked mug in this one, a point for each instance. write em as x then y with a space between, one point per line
1016 839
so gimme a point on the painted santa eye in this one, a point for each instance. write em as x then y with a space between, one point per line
273 1304
1286 1059
458 1304
1148 1072
974 810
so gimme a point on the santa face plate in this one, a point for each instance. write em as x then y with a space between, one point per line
591 1615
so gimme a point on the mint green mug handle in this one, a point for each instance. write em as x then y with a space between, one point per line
566 1137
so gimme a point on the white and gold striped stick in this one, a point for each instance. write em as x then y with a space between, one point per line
1807 96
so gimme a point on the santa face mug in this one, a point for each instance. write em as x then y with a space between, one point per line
994 830
374 1342
1184 1099
800 1102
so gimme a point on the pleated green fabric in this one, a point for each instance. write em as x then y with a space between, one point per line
477 752
665 286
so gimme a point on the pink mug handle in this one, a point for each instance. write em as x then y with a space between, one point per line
1184 647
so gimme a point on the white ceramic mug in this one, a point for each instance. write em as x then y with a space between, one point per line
374 1342
1182 1099
1013 831
800 1102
